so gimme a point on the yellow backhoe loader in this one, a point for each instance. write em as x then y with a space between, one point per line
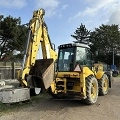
77 77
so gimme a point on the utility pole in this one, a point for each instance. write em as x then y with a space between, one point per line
113 56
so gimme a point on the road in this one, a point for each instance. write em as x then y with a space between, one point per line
106 108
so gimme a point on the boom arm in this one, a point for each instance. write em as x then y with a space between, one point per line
38 36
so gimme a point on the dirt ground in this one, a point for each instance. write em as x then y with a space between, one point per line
106 108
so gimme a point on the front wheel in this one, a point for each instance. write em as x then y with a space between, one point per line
103 85
91 90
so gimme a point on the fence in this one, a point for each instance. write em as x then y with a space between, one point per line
8 70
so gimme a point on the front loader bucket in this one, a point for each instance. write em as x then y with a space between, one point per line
41 74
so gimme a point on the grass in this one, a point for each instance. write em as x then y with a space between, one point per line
118 75
7 108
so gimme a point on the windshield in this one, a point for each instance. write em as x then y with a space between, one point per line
69 58
66 59
83 56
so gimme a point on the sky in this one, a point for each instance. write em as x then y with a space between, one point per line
64 16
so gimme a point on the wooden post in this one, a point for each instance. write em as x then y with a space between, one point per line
13 70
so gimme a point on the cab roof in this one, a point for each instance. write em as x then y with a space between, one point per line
73 44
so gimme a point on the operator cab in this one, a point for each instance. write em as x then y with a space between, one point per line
71 55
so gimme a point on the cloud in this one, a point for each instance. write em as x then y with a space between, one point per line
88 11
49 6
98 9
115 15
13 3
61 10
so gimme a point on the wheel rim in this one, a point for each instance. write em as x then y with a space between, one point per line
93 90
105 84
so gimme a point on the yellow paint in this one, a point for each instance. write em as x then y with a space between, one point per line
99 74
39 37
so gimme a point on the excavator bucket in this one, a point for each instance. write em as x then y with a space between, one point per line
41 74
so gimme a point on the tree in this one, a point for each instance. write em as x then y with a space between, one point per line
105 40
81 34
12 36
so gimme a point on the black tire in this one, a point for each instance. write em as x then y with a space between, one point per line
111 80
91 90
115 74
103 84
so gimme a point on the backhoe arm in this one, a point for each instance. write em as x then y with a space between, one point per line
38 36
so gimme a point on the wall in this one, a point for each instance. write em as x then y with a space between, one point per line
8 70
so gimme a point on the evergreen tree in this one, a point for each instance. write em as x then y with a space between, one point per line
12 36
105 40
81 34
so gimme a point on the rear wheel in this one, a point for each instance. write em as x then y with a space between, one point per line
91 90
103 85
115 74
